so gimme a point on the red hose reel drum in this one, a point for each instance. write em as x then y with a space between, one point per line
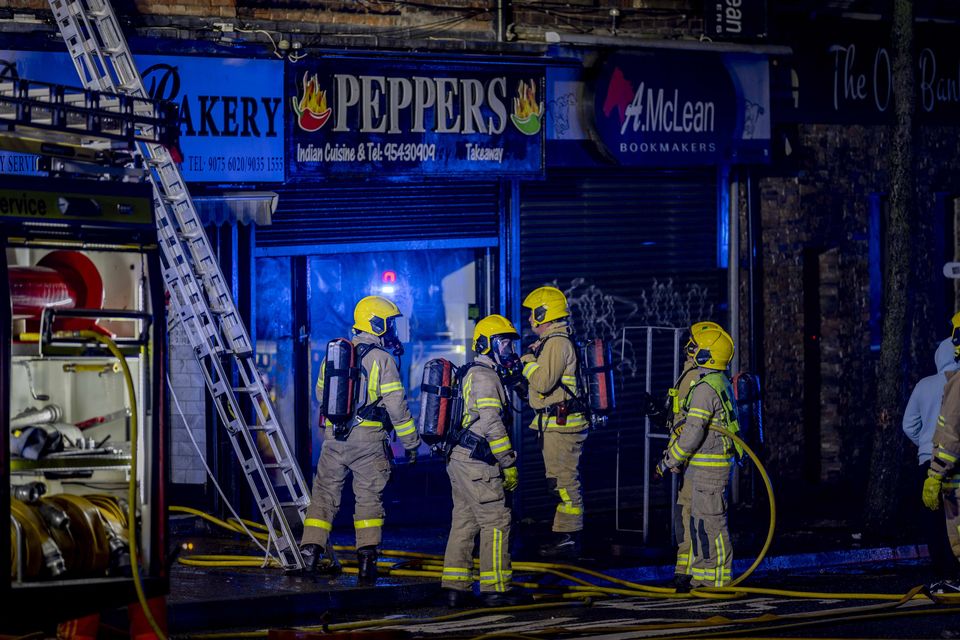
61 280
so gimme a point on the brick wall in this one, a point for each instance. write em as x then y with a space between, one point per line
190 391
823 207
432 20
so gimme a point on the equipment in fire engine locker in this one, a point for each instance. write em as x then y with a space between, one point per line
56 534
60 280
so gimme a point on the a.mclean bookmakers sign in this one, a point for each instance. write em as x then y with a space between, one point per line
383 117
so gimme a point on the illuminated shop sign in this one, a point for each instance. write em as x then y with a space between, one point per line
231 120
388 117
845 75
658 108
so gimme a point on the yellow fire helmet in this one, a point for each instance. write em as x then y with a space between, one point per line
695 329
714 349
488 329
955 335
372 314
548 304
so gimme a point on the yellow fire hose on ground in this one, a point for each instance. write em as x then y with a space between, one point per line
583 591
434 569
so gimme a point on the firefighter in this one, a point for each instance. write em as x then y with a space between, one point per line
705 458
551 372
364 450
943 478
481 465
676 416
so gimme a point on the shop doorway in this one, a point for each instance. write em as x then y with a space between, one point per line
303 302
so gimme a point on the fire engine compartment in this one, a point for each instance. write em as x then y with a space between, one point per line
67 452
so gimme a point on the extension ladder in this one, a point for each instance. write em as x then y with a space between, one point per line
199 295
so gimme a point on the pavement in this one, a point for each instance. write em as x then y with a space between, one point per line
206 599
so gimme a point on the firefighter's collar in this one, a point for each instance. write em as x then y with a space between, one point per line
366 338
561 327
486 361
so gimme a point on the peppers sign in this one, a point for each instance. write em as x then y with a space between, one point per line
393 118
231 123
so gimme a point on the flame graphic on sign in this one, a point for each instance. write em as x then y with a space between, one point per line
311 109
527 111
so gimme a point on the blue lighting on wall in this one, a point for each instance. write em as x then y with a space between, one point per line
723 219
875 267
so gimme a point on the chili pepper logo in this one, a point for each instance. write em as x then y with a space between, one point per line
311 109
527 112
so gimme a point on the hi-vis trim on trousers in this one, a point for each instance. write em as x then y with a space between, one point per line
567 505
478 506
561 459
498 578
317 522
371 471
457 574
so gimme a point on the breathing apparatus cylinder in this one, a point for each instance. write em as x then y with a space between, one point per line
596 370
437 394
340 381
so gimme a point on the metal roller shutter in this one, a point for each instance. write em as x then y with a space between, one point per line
341 212
614 236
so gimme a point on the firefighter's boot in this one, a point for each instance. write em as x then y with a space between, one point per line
508 598
316 563
565 545
367 559
681 582
456 599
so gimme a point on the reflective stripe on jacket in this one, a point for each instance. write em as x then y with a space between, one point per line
484 405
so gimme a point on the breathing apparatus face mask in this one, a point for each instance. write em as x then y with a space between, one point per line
391 340
508 362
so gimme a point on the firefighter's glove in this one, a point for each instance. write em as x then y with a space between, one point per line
932 488
648 406
411 455
660 470
528 357
511 478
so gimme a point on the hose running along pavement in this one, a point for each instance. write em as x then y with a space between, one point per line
583 591
111 346
431 565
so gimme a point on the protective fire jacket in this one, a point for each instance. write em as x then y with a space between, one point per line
923 408
381 381
547 373
946 438
708 455
484 405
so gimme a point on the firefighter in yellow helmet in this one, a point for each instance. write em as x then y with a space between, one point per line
551 372
674 416
943 478
481 466
705 458
363 450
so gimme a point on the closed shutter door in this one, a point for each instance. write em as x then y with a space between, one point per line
633 249
365 212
